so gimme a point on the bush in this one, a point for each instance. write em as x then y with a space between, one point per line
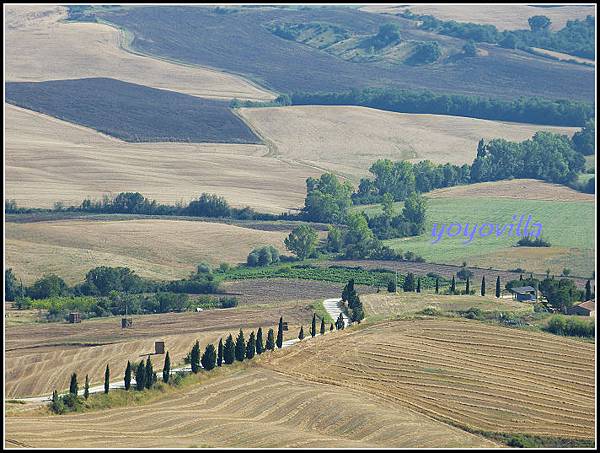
571 326
228 302
263 256
533 242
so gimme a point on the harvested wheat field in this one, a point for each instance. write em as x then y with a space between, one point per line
41 46
154 248
72 162
251 407
513 17
41 357
519 189
311 134
469 374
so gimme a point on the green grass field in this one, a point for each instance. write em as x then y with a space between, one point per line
569 226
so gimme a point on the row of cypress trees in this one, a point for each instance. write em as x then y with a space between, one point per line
410 286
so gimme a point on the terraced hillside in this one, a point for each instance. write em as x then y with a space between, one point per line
41 357
132 112
228 42
469 374
154 248
41 45
254 407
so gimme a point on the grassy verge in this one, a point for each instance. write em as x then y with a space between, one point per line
319 309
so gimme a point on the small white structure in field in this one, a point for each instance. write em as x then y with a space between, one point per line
198 309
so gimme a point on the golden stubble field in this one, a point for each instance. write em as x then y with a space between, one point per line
503 17
154 248
348 139
49 160
40 45
41 357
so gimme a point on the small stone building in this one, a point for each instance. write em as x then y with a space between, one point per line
524 293
587 308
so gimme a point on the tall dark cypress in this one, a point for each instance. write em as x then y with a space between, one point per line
260 346
166 373
251 346
419 285
140 376
437 285
106 379
331 327
280 333
240 347
483 285
220 353
301 333
73 388
588 290
149 375
468 286
498 286
322 326
195 357
86 387
229 351
209 357
313 327
453 286
270 345
127 378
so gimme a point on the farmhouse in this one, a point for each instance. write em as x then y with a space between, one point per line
524 293
587 308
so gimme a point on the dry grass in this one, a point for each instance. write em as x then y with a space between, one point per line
563 56
251 407
72 162
466 373
520 189
40 357
159 249
504 17
311 134
41 46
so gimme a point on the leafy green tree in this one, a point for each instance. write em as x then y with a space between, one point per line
127 377
270 345
409 283
414 211
48 286
335 239
140 376
322 326
483 285
195 357
251 346
585 139
313 327
73 389
86 387
149 374
301 333
263 256
561 294
166 373
209 358
498 286
229 351
12 289
302 241
327 199
209 205
539 23
220 353
470 49
106 379
280 333
260 346
240 347
391 285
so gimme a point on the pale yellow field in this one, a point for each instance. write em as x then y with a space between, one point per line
158 249
564 56
348 140
49 160
473 375
504 17
252 407
521 189
41 46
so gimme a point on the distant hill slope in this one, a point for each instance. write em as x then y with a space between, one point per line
131 112
229 42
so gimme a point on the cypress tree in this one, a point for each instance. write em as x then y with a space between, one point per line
498 286
260 347
588 290
106 379
301 334
453 286
220 353
437 285
409 283
55 396
270 346
229 351
280 333
209 358
240 347
166 373
195 357
419 285
483 285
86 388
322 326
73 389
140 376
521 277
251 346
149 374
127 378
468 286
331 327
313 327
